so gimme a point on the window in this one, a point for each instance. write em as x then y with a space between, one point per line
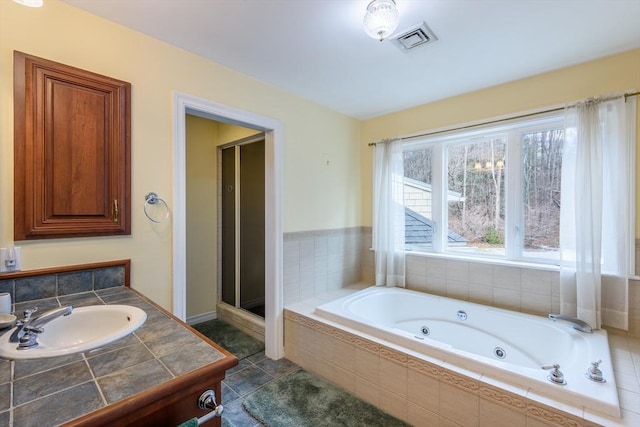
490 192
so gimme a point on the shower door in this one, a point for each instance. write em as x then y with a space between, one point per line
243 225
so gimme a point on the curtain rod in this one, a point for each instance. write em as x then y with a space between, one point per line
490 122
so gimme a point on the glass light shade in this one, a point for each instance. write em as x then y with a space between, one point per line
30 3
381 19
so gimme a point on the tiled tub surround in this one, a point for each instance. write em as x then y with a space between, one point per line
317 262
55 390
426 392
517 288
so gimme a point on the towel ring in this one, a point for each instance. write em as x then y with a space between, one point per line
152 199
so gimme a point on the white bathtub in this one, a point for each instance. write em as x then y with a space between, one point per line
498 343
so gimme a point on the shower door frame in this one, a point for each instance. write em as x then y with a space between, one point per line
274 134
236 146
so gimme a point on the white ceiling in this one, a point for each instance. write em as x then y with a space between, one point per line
318 50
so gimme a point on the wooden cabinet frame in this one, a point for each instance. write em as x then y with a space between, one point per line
72 152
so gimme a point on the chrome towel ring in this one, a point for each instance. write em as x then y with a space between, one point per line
152 199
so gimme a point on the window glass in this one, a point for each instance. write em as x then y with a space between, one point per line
475 196
418 199
541 173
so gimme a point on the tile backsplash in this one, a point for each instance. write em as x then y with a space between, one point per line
62 284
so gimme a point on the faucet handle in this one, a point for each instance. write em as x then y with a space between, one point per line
594 373
33 330
28 312
556 376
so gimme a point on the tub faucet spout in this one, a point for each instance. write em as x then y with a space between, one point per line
578 324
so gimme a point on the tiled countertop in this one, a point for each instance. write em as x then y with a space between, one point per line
51 391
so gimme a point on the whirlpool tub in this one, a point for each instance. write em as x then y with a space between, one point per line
508 345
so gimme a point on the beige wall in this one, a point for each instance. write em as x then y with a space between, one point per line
203 136
612 74
316 195
201 178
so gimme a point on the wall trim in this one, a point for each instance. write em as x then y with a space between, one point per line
203 317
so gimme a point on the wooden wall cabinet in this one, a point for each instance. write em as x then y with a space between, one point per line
72 152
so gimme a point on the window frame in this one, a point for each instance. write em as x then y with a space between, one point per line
513 130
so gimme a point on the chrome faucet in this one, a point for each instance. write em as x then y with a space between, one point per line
594 373
578 324
27 329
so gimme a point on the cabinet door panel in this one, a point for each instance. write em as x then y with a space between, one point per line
76 154
72 151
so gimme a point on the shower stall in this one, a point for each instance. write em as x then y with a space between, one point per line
242 234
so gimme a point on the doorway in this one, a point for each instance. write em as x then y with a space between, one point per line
242 243
184 104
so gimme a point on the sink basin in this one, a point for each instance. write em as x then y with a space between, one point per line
86 328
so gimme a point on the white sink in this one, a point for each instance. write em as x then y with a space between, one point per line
86 328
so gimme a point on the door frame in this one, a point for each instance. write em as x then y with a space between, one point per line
273 130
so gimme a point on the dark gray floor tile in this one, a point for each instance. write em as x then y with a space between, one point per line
247 380
242 363
230 338
236 413
256 357
276 368
228 395
4 418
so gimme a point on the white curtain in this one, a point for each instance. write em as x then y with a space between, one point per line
596 221
388 213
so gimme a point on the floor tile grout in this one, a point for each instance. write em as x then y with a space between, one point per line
252 361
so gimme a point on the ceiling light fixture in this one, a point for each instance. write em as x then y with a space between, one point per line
30 3
381 19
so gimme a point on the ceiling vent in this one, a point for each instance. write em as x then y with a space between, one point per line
418 35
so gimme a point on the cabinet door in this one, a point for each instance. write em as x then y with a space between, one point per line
72 151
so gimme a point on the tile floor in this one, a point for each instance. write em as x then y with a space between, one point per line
248 376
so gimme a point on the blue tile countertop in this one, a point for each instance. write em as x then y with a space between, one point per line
45 392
